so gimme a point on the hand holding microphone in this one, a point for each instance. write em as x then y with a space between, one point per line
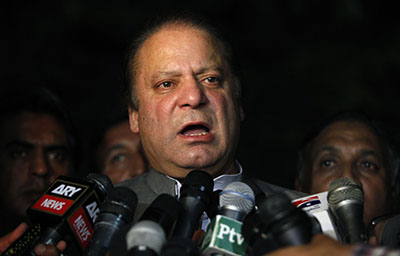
67 210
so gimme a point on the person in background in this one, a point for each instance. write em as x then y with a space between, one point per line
118 151
352 145
184 102
38 143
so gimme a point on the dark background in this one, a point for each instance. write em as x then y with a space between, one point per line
301 60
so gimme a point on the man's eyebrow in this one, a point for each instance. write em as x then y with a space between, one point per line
159 74
115 147
207 69
330 149
368 152
19 143
26 144
55 147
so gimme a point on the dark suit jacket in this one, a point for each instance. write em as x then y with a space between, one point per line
153 183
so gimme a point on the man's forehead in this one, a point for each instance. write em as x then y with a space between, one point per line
347 136
33 128
171 40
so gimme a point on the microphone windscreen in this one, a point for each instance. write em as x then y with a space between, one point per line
163 210
147 234
102 181
121 200
345 199
343 189
197 182
239 195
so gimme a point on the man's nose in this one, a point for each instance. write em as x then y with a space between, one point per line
39 165
351 172
191 94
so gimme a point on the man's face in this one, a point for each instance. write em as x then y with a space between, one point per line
119 154
188 117
33 152
350 149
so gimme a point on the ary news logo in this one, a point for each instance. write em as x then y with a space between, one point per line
59 197
81 226
66 190
83 218
308 204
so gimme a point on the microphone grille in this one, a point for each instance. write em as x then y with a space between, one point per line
200 180
102 181
237 194
344 188
121 201
146 233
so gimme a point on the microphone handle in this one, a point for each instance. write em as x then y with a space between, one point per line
190 212
107 224
350 223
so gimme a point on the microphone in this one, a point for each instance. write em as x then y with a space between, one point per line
346 200
195 197
180 246
317 206
67 210
276 224
224 232
116 211
149 234
391 233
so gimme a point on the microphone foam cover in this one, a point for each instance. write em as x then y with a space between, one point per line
237 194
146 233
344 189
121 200
198 178
102 181
198 184
163 210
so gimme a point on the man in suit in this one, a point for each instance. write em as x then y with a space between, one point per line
184 102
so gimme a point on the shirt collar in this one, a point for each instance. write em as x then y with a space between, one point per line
220 182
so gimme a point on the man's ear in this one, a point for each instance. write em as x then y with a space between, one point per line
133 120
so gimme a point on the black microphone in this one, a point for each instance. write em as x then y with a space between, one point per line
116 211
346 201
276 224
391 233
195 197
149 234
66 210
223 234
180 246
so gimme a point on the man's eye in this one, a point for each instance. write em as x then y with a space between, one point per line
213 80
326 163
57 155
166 84
18 153
368 165
118 158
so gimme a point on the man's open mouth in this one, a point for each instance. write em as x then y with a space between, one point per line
195 130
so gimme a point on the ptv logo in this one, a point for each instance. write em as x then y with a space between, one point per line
233 236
